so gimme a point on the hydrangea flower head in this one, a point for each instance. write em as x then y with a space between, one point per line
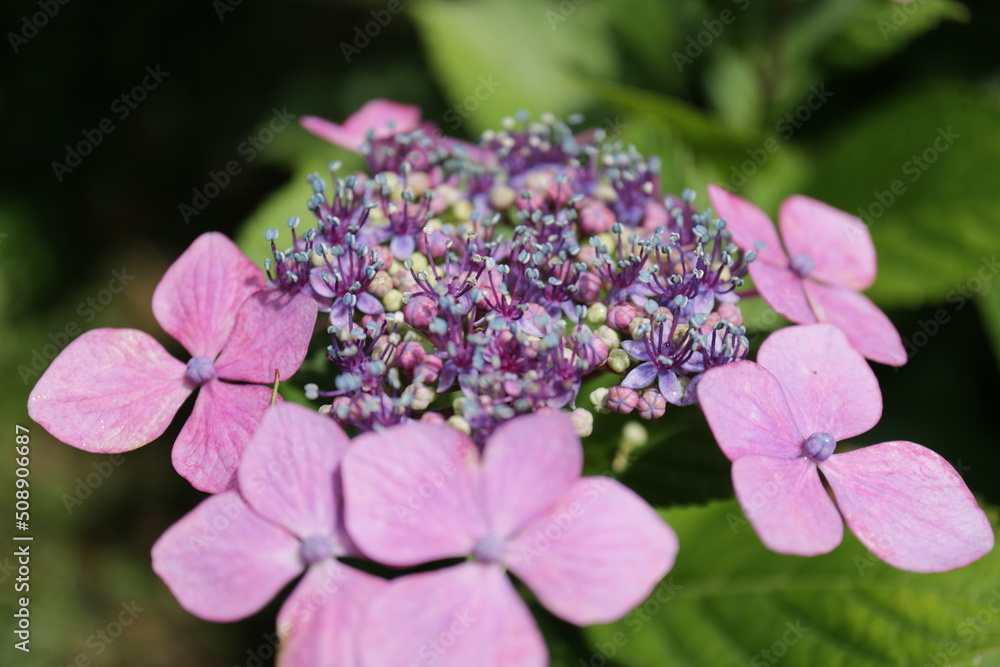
589 548
779 420
236 550
113 390
817 275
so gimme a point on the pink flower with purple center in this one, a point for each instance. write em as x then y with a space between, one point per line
779 421
113 390
391 133
830 258
235 551
589 548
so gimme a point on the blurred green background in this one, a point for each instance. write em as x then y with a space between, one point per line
888 111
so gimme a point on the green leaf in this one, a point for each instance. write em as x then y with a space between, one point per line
882 28
649 32
733 84
693 125
681 464
495 58
920 171
989 308
728 600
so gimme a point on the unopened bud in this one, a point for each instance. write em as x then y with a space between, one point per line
638 327
599 399
597 313
621 315
609 336
422 398
502 197
460 424
583 422
380 285
622 399
393 300
618 360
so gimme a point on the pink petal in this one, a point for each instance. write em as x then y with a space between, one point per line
210 446
384 117
410 494
272 332
198 297
787 505
459 616
838 243
829 386
320 620
596 555
749 225
782 290
110 390
748 412
909 507
865 325
223 562
287 472
529 464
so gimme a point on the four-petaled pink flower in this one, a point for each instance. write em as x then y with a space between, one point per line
589 548
113 390
830 258
779 421
236 550
380 120
382 117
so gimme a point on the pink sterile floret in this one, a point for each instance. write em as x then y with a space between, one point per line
383 117
779 421
830 258
113 390
589 548
235 551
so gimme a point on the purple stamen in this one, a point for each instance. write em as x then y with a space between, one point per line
489 550
200 370
803 265
316 548
819 446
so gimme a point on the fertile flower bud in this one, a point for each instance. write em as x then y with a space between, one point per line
622 399
380 285
651 405
599 399
620 315
409 355
597 313
460 424
393 300
618 360
589 286
422 397
502 197
420 312
428 369
596 218
583 422
638 327
609 336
